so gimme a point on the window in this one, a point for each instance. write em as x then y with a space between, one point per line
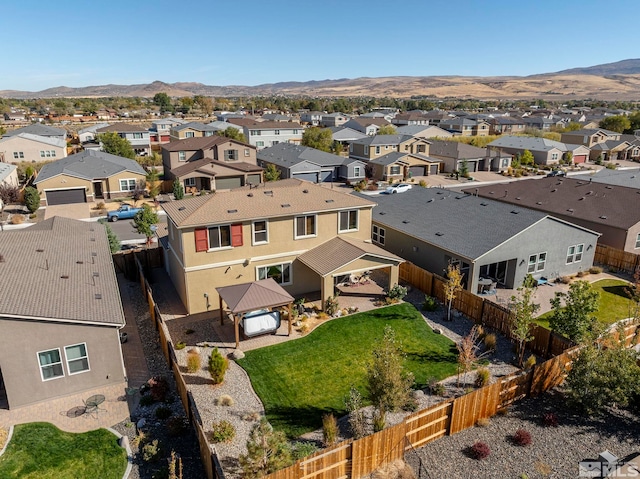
230 155
189 134
247 152
377 234
357 171
574 253
366 150
189 182
295 132
50 364
281 273
18 154
276 132
127 185
220 237
504 162
208 133
305 226
554 156
53 153
377 150
182 156
537 262
259 143
260 234
274 142
255 132
77 359
348 221
137 136
394 170
638 241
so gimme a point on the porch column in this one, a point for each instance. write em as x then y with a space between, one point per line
236 323
326 290
221 311
394 275
289 317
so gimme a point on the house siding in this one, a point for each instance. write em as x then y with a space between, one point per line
30 148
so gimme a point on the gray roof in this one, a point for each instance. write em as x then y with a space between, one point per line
345 134
414 130
383 140
528 143
195 125
47 140
5 170
288 155
223 125
60 269
463 224
89 164
591 131
395 156
38 129
92 128
628 177
456 149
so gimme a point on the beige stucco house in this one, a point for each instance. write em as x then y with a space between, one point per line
30 147
376 146
305 236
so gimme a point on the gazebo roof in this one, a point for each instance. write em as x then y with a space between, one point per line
266 293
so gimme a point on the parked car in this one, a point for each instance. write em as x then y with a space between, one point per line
398 188
125 212
556 173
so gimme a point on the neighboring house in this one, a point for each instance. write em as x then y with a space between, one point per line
544 151
422 131
210 163
589 137
505 125
221 126
313 118
276 117
612 150
160 131
88 134
304 236
629 177
9 174
345 135
411 118
435 117
193 129
376 146
40 130
305 163
597 206
88 176
268 133
539 122
433 228
136 135
29 147
465 126
14 117
334 120
454 155
60 314
368 126
399 166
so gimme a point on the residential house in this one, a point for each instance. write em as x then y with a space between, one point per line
506 125
400 166
29 147
368 126
334 120
435 117
221 126
268 133
589 137
305 163
424 131
193 129
39 130
372 147
9 175
411 118
60 314
597 206
160 131
345 135
210 163
433 228
136 135
276 117
87 176
15 117
465 126
540 122
312 118
456 155
88 134
629 177
304 236
544 151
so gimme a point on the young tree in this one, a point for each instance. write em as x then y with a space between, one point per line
114 242
271 173
526 158
153 178
267 451
633 291
178 189
523 309
114 144
318 138
469 352
617 123
576 320
387 130
357 421
144 220
8 195
234 134
452 287
32 199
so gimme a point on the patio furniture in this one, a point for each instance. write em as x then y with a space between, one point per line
483 283
92 404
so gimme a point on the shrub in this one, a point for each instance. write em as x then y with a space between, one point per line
397 292
610 166
251 416
331 305
422 183
503 411
151 451
218 365
480 450
522 437
101 205
17 219
550 419
193 362
146 400
159 388
163 412
180 345
357 420
303 449
379 420
329 429
178 189
139 439
490 342
482 377
222 431
595 270
224 400
580 274
436 388
480 331
430 303
189 331
564 279
31 199
483 422
177 426
531 362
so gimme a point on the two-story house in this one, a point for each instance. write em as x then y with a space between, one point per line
160 131
466 126
29 147
40 130
334 120
366 125
304 236
134 134
192 129
502 125
210 163
589 137
456 155
545 152
411 118
263 134
312 118
372 147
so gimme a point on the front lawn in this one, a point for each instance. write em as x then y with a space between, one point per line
614 302
299 381
42 451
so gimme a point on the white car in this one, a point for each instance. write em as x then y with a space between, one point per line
398 188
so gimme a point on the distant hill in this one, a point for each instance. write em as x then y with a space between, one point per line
611 81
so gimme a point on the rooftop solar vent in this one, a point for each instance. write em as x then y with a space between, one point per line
182 208
439 234
232 211
285 205
603 217
98 296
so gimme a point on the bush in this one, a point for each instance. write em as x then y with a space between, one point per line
178 189
146 400
550 419
436 388
379 420
222 431
483 422
177 426
480 331
482 377
564 279
422 183
397 292
159 388
17 219
163 412
522 437
180 345
329 429
224 400
193 362
31 199
217 366
151 451
530 362
490 342
331 305
480 450
595 270
430 303
303 449
580 274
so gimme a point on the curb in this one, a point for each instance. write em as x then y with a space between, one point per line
123 441
4 448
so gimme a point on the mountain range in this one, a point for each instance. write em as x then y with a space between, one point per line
610 81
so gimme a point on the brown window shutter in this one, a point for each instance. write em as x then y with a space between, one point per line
202 240
236 235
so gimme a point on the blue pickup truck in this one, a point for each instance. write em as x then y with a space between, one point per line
125 212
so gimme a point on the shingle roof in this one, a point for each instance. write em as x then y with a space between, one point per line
268 200
208 166
121 128
288 155
241 298
89 164
5 170
592 131
628 177
528 143
197 143
455 149
56 269
38 129
364 121
374 140
195 125
339 251
414 130
395 156
341 133
47 140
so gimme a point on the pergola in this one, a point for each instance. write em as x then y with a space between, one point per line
243 298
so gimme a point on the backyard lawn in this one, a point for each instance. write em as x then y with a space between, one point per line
40 450
299 381
614 302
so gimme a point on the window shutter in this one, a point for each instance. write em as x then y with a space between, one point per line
236 235
202 240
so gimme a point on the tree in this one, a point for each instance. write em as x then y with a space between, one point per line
617 123
271 173
144 220
153 178
8 194
114 242
568 158
164 102
234 134
178 189
468 352
205 103
526 158
633 291
523 309
452 286
387 130
357 420
576 320
116 145
267 451
32 199
318 138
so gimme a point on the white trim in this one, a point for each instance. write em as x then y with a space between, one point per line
253 232
348 212
70 188
219 248
290 263
295 226
211 266
40 365
135 183
203 267
279 255
66 357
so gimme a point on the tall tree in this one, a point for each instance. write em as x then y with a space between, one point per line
8 195
526 158
164 102
205 103
617 123
318 138
144 220
178 189
452 286
576 320
234 134
271 173
523 309
116 145
153 178
387 130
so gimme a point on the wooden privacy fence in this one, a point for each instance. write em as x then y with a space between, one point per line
616 258
481 310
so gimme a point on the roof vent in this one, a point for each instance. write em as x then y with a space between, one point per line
570 210
94 254
518 198
64 276
430 200
439 234
491 192
603 217
2 260
250 195
305 191
484 204
269 192
553 190
406 222
538 202
96 274
382 213
98 296
40 250
609 187
328 201
79 262
285 205
515 212
182 208
232 211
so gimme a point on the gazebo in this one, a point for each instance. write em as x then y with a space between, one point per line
243 298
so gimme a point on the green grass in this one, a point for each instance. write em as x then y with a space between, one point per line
40 450
614 302
299 381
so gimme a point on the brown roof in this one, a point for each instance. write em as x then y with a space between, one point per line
339 251
267 200
121 127
364 121
265 293
61 269
200 143
266 125
208 166
600 203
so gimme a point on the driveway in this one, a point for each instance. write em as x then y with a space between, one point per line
76 211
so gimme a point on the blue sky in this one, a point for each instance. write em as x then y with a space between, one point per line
85 42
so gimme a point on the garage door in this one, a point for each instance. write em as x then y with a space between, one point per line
253 179
579 158
416 170
313 177
433 169
63 197
326 175
228 183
